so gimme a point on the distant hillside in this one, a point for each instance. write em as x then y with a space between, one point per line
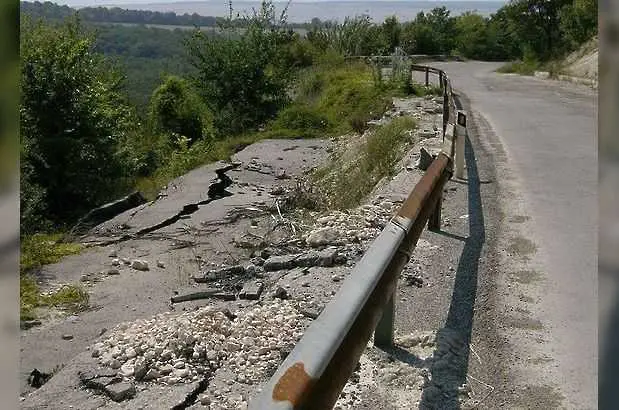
53 11
49 10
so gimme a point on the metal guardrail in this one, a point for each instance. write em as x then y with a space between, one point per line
315 372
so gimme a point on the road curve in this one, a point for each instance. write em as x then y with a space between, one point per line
549 132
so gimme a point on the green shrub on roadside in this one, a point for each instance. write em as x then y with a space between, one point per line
301 117
175 108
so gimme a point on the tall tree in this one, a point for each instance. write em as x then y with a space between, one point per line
72 116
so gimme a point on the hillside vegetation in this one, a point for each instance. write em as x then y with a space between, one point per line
106 109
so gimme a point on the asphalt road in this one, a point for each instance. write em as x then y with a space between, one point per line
549 132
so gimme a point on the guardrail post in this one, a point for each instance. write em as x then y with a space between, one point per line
427 76
460 135
434 223
383 335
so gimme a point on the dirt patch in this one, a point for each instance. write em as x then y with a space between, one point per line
526 299
518 219
521 246
525 323
544 397
526 276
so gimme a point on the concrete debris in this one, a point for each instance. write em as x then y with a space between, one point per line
251 290
425 160
281 293
176 346
433 109
310 312
27 324
275 263
426 133
112 272
252 269
258 261
67 337
120 391
140 265
205 294
160 264
218 274
325 258
116 262
323 236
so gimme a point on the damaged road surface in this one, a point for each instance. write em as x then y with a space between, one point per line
197 297
207 218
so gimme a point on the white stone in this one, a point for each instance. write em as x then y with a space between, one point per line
127 370
115 262
322 236
182 373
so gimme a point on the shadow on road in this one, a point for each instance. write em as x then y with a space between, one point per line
451 357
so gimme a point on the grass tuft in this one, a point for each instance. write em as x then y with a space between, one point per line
36 251
519 67
349 178
70 298
42 249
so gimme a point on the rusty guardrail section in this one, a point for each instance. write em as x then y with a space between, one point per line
315 372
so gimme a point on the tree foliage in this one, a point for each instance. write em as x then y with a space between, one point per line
242 75
176 108
72 116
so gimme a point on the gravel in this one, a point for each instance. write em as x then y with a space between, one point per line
178 348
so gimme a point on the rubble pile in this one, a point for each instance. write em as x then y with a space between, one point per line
171 349
362 224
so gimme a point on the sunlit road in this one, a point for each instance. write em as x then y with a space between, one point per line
549 132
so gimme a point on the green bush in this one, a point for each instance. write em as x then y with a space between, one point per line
73 116
349 91
176 109
301 117
243 76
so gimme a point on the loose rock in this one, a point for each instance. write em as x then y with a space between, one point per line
140 265
281 293
425 159
251 290
323 236
120 391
